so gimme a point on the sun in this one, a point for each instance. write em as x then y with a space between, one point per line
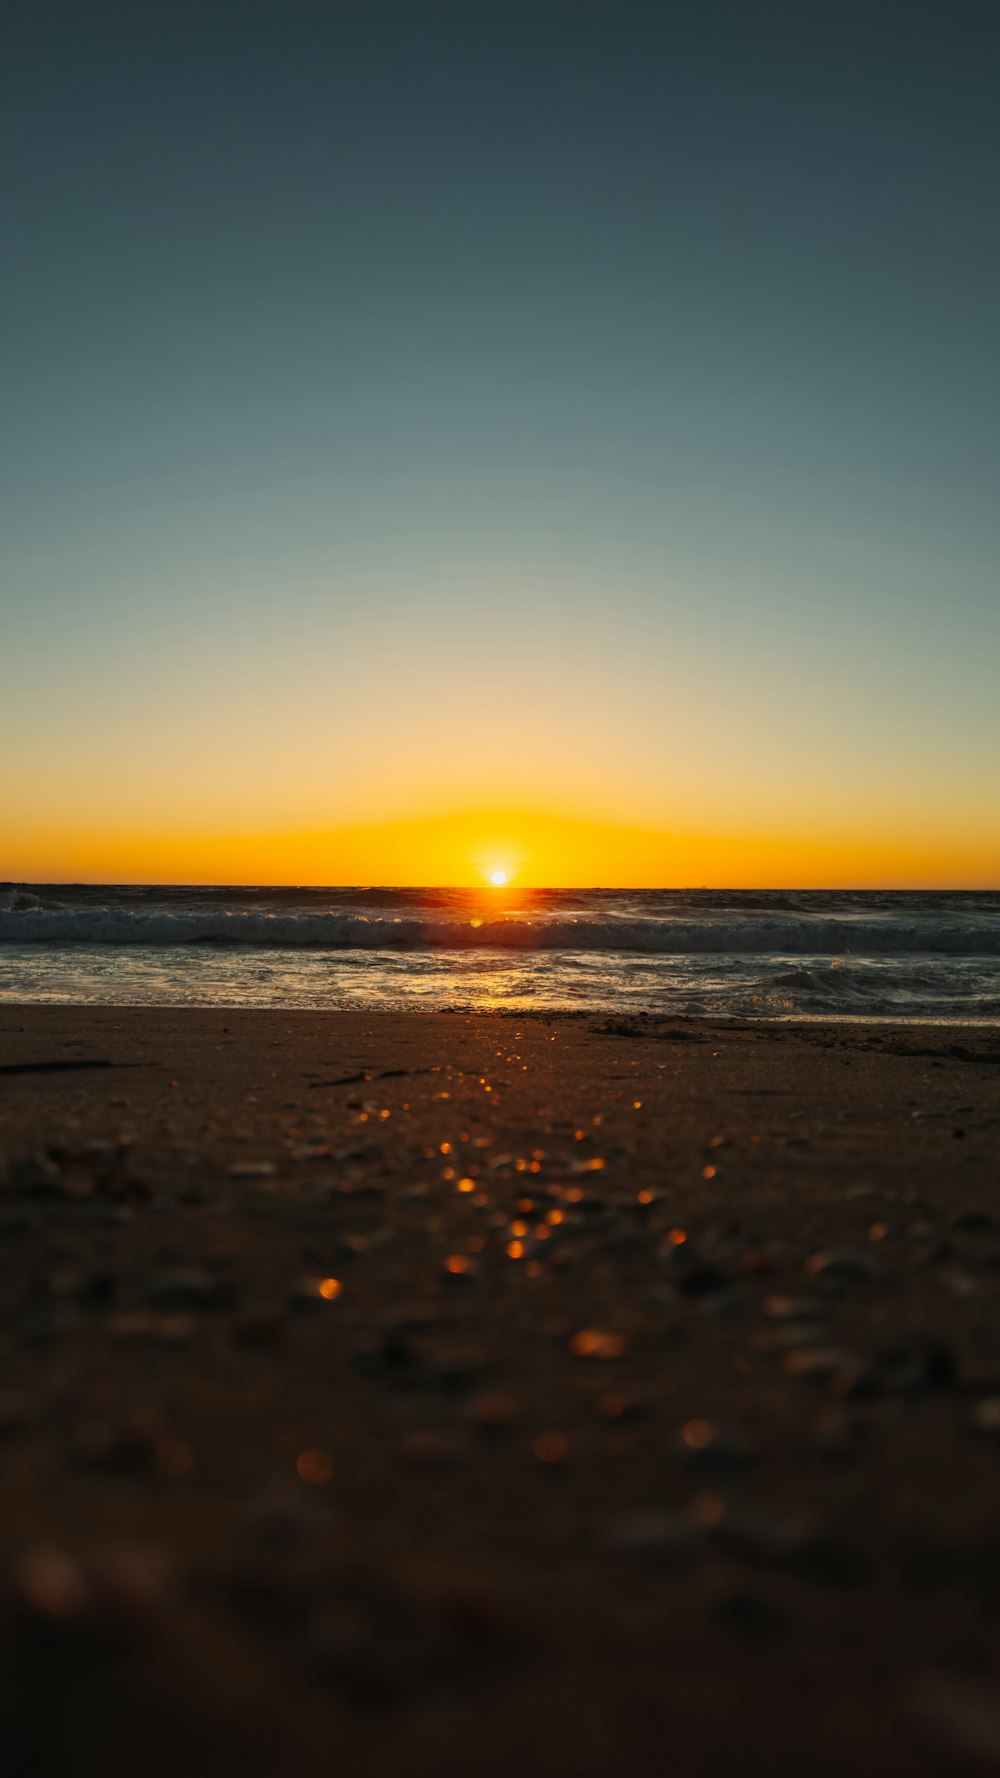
498 878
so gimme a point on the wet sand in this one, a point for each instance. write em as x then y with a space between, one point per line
464 1395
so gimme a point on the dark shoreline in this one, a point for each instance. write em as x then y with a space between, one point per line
613 1500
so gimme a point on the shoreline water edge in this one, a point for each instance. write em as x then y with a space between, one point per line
765 954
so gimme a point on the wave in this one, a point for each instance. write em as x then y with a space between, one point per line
21 901
28 920
635 903
881 988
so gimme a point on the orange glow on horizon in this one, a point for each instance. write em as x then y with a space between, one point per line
540 851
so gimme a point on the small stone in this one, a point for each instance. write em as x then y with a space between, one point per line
817 1364
390 1356
51 1582
757 1264
856 1377
116 1216
86 1287
844 1267
911 1369
690 1271
77 1186
940 1254
647 1200
252 1170
714 1448
315 1467
115 1581
35 1173
598 1342
615 1406
370 1241
976 1222
792 1308
312 1293
460 1268
552 1449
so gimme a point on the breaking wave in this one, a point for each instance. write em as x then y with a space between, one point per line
28 919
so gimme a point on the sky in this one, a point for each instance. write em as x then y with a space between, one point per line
562 430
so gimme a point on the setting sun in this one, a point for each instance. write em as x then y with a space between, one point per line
498 878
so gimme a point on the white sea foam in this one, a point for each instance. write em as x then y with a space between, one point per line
759 954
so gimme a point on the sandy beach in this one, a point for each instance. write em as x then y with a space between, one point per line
462 1394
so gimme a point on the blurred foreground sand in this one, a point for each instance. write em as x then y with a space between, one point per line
479 1395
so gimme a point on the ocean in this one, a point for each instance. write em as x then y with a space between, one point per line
765 954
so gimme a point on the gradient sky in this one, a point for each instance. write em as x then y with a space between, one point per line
573 423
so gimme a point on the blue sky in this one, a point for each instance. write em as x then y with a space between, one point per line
626 372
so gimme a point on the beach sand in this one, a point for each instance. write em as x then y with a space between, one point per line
650 1419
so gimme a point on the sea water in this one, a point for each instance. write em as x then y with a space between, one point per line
880 954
